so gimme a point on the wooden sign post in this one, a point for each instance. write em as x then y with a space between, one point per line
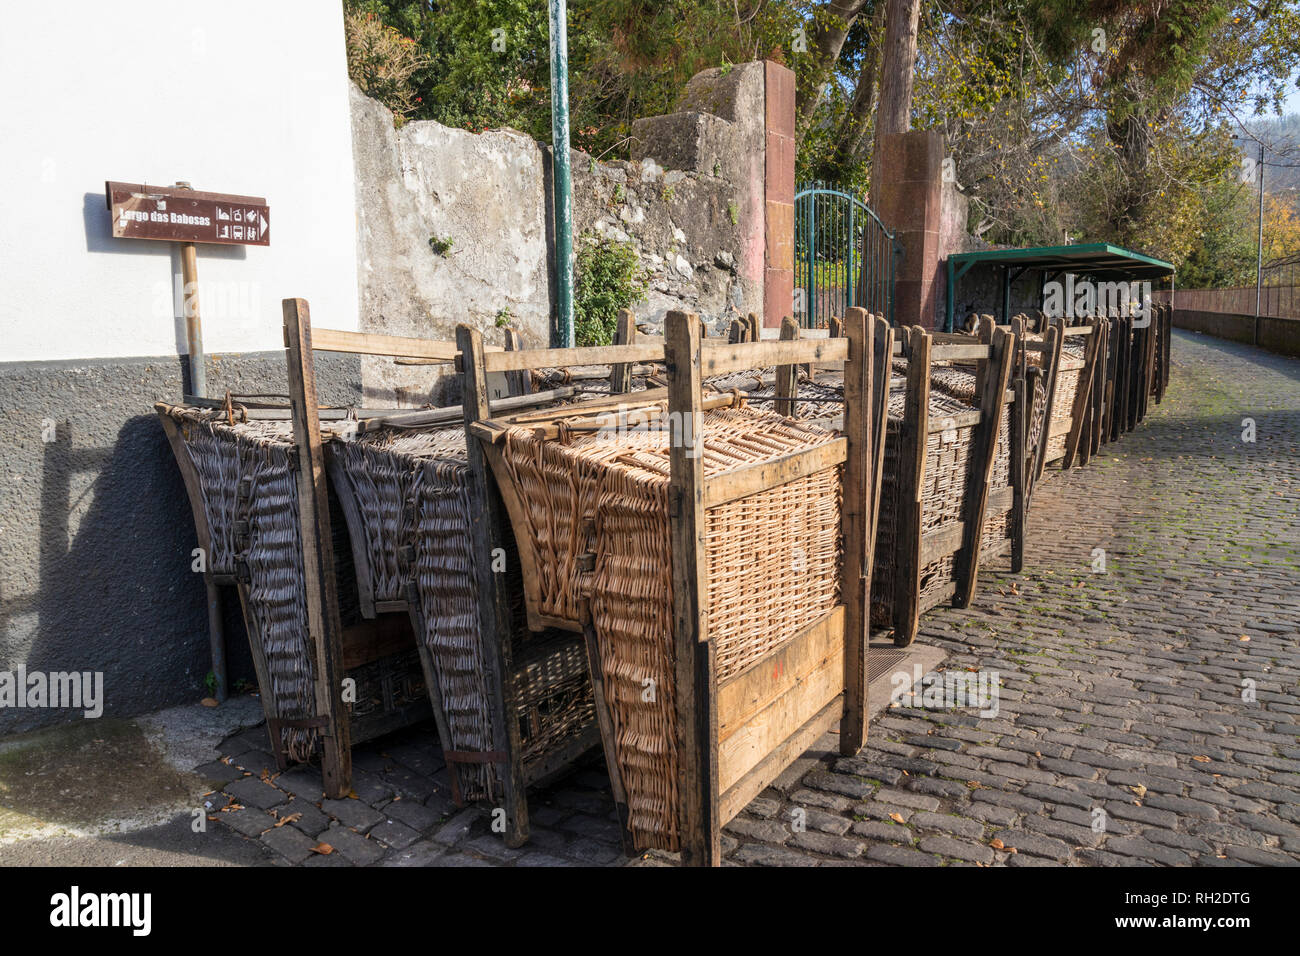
186 216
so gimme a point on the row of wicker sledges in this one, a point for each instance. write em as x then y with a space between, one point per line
674 548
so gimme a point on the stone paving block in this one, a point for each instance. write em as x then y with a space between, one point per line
252 792
394 834
352 813
414 814
901 856
961 849
1035 843
758 854
249 821
827 843
352 845
959 826
293 845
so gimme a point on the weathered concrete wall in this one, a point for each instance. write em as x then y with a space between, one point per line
96 532
691 201
1276 334
908 201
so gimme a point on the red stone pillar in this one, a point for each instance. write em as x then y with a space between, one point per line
908 200
778 194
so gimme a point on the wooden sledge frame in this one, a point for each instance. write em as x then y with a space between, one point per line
994 355
497 650
837 644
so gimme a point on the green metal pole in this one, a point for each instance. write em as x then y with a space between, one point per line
562 179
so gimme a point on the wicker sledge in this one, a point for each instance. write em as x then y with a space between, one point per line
717 621
242 481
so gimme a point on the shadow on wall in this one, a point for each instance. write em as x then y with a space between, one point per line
112 590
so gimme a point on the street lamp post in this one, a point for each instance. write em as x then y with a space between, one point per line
562 179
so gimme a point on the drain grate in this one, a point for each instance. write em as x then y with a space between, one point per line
882 662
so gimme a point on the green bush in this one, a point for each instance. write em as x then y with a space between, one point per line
608 276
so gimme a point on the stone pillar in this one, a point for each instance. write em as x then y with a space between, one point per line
909 199
778 194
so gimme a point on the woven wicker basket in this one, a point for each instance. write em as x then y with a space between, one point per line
247 481
413 512
773 569
1068 375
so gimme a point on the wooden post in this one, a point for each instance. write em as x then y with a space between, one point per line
493 601
984 332
324 626
697 720
787 376
754 327
736 332
855 521
190 306
1019 432
519 382
911 481
883 348
1081 401
983 453
1053 340
620 375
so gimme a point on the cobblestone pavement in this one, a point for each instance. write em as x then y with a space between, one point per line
1147 714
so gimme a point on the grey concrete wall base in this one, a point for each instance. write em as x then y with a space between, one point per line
1276 334
96 532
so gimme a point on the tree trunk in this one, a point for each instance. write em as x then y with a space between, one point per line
827 41
854 138
894 114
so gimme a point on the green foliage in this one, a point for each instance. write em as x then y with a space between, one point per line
608 276
383 62
441 245
504 317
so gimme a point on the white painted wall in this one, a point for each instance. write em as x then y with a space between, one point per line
240 96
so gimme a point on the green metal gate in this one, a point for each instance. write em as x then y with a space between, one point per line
843 256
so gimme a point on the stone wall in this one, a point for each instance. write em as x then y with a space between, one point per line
691 199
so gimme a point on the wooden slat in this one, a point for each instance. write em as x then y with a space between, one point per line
1052 365
956 353
787 376
722 358
1082 402
761 475
493 601
983 453
521 383
855 520
325 629
568 358
1019 434
697 719
911 478
882 336
779 697
370 343
770 767
744 696
620 374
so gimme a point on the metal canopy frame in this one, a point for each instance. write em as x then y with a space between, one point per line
1099 260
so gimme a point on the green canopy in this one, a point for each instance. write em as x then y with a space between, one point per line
1097 260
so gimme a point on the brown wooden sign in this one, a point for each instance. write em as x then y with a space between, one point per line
176 214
